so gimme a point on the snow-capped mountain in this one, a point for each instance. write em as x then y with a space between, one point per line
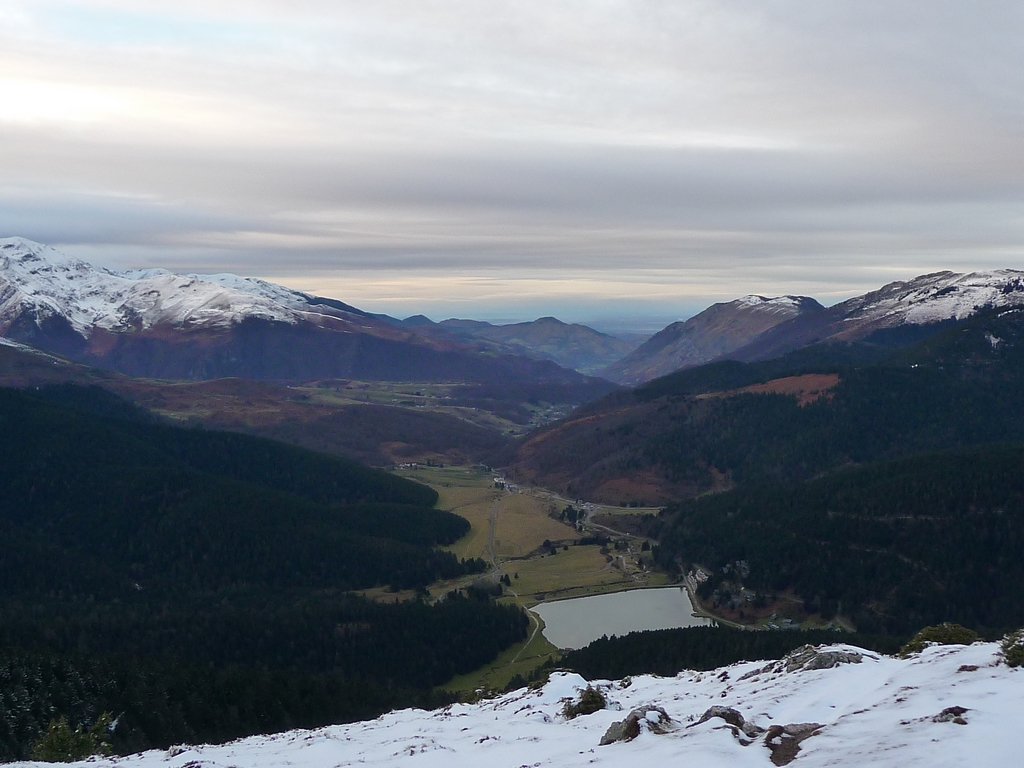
39 281
925 300
936 297
758 328
717 331
949 706
160 324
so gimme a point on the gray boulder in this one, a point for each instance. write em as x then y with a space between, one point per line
648 718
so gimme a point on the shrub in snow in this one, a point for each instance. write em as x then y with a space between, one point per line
940 634
60 744
590 701
1013 648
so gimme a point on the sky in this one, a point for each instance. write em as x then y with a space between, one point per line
612 161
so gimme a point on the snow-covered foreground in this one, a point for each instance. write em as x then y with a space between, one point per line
879 712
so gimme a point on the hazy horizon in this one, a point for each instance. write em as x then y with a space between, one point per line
613 163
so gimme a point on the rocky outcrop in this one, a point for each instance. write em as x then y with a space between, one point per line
952 715
783 741
809 657
733 718
649 718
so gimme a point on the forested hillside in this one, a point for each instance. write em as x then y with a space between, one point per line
202 569
725 424
896 545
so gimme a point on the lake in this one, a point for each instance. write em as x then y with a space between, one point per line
577 622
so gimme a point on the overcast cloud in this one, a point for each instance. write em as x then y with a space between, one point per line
585 159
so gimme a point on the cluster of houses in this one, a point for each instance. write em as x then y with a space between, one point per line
505 485
696 577
774 622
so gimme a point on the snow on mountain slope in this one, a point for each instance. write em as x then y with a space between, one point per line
41 281
948 706
928 299
286 297
936 297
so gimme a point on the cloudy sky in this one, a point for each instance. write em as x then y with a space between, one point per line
584 158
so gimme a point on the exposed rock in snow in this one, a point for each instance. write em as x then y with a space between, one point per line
784 740
731 717
951 715
883 712
646 719
809 657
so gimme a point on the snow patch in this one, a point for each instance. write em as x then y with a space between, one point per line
789 305
885 712
940 296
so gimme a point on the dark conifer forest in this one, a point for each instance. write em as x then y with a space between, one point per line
824 507
694 429
894 545
197 584
893 497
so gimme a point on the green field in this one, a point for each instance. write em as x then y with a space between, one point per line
522 523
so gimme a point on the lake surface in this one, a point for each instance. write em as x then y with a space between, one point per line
577 622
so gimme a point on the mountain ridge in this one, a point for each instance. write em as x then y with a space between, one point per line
571 345
819 407
155 323
931 300
714 333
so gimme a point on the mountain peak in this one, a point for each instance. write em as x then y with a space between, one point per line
418 321
30 256
717 331
549 320
43 284
785 304
926 300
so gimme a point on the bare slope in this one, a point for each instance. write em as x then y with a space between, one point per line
718 330
376 434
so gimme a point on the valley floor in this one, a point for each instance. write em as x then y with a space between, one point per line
509 530
948 706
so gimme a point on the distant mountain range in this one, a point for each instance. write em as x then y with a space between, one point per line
717 331
574 346
758 328
155 323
